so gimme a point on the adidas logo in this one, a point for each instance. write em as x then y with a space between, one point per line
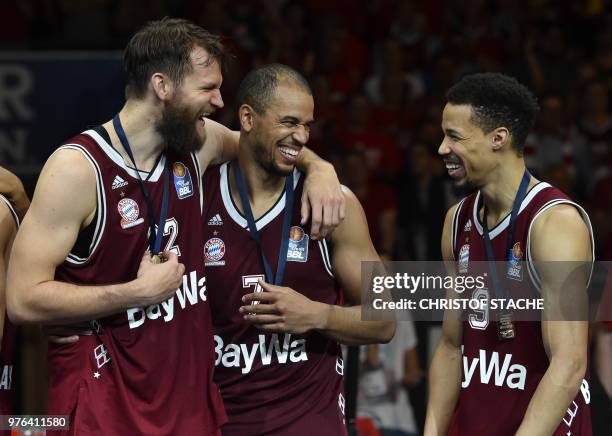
468 226
215 221
118 182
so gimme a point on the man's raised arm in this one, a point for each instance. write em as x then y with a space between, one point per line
63 204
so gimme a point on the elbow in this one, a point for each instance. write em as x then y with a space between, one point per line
387 332
571 371
18 311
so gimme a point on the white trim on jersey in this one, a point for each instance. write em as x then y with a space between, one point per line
116 157
196 163
325 257
101 204
454 223
504 223
535 278
11 209
236 215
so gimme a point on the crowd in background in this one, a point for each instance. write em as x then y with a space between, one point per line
379 70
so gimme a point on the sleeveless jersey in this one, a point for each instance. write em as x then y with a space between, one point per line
272 384
145 371
501 376
7 353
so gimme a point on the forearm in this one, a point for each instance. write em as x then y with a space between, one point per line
344 325
444 385
55 302
309 161
554 393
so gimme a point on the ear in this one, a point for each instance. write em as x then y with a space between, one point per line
246 115
500 137
162 85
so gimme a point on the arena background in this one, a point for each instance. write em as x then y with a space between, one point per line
379 70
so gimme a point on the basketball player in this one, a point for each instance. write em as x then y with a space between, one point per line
9 222
278 322
114 210
527 379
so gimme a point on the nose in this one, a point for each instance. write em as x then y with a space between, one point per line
301 134
217 100
443 149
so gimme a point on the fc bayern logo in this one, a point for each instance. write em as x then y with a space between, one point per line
128 209
214 250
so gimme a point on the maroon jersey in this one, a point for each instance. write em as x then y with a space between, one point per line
7 353
272 384
145 371
501 376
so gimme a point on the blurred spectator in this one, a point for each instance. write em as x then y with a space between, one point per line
423 200
549 145
377 199
387 370
594 128
382 151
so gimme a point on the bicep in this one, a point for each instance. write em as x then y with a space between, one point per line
65 197
352 245
452 326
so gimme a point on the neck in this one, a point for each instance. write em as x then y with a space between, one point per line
263 187
500 191
138 121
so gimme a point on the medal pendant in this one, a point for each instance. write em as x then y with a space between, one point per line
505 327
157 258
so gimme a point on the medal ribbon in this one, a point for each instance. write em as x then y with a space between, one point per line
155 237
500 292
246 206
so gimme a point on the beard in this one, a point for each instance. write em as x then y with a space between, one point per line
177 127
265 159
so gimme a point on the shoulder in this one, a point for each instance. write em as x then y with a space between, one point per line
560 233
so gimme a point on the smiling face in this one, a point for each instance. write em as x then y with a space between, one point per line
277 135
197 96
467 151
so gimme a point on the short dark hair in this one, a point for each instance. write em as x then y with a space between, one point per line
164 46
258 87
497 100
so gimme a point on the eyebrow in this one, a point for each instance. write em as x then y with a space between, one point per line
295 120
452 132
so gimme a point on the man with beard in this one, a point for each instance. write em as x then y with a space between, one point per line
279 365
114 238
519 377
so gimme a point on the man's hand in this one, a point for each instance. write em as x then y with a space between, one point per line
322 199
12 188
158 282
282 310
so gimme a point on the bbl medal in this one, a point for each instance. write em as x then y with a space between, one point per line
158 258
505 327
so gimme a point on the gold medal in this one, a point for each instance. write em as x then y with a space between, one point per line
505 327
157 258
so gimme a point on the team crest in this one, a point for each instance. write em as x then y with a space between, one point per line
129 211
514 268
464 258
298 245
214 250
182 180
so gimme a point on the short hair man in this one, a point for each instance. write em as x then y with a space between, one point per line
531 380
279 366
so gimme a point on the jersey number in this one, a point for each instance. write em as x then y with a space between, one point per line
171 231
253 282
480 318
